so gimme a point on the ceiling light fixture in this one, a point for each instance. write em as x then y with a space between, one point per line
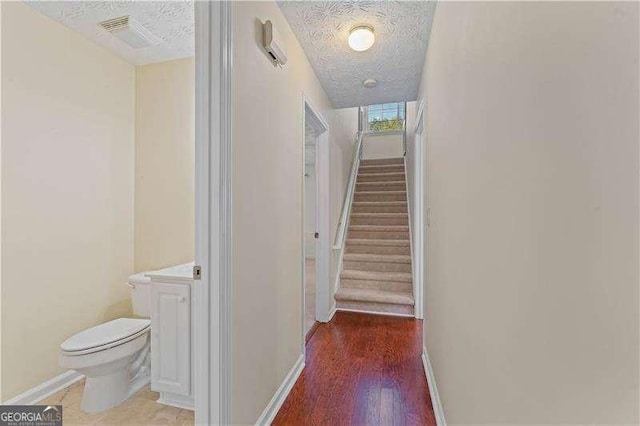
361 38
370 83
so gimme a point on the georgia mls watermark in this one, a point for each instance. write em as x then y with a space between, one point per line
30 415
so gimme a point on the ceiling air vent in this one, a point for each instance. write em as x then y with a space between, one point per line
127 29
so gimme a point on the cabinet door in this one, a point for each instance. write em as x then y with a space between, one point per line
170 338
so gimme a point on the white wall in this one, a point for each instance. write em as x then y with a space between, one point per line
165 143
382 146
268 205
67 191
1 316
344 121
412 185
532 175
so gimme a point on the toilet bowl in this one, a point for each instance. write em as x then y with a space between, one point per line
112 358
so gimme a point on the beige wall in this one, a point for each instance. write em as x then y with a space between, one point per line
1 321
344 126
164 185
410 170
67 191
382 146
267 186
532 175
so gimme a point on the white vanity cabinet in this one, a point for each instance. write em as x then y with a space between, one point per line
171 335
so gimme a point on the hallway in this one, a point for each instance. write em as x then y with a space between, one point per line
361 369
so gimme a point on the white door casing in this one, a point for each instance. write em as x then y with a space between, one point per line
312 117
418 212
213 194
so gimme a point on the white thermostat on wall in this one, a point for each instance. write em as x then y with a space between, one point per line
273 44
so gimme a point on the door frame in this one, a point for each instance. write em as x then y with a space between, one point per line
418 212
213 213
323 248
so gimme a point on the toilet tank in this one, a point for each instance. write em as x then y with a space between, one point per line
140 287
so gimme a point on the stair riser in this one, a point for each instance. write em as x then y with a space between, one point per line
365 196
379 235
376 307
383 177
381 169
376 285
380 186
360 249
380 208
373 220
382 161
376 266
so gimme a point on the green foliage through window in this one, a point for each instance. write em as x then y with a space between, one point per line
386 117
386 125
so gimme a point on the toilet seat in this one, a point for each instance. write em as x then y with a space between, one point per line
105 336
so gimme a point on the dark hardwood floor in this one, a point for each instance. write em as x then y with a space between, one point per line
361 370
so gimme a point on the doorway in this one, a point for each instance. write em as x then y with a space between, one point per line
315 223
310 233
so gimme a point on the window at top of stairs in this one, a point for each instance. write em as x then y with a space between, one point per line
384 118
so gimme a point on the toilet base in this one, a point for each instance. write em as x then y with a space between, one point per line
104 392
110 377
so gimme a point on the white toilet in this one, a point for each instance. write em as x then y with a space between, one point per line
114 356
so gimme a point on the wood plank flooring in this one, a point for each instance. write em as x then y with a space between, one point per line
361 369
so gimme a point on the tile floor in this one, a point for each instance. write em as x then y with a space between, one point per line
140 409
309 293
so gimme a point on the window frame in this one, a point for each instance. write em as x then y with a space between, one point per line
367 123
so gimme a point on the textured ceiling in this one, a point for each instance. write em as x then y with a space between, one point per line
396 59
171 21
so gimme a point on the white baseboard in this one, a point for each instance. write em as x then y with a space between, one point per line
269 413
332 312
46 389
178 401
433 389
390 314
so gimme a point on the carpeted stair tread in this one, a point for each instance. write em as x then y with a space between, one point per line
405 277
382 258
378 203
379 228
379 206
360 218
365 214
365 185
370 242
381 168
382 161
376 296
378 246
380 195
394 191
380 177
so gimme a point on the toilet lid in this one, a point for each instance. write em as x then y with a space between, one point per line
104 334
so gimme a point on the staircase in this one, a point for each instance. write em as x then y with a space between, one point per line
376 273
